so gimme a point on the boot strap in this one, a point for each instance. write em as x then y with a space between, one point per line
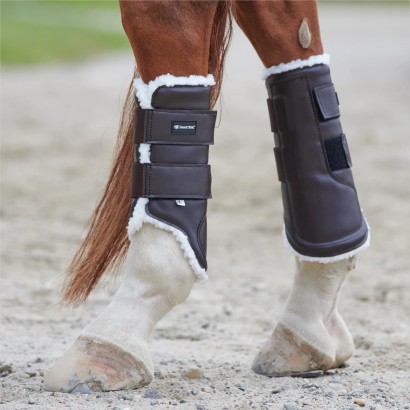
193 127
170 181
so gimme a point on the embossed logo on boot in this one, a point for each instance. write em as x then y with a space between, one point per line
183 127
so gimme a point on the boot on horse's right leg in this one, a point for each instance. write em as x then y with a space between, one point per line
171 184
324 226
323 223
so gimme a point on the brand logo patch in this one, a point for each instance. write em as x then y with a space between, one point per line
183 127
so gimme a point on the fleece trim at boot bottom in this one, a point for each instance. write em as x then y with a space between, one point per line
329 259
140 216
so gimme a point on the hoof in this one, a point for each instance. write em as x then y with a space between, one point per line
100 365
342 339
285 354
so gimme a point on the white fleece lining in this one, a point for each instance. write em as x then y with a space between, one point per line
144 91
295 64
329 259
145 153
140 216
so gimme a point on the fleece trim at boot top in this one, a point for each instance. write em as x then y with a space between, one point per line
295 64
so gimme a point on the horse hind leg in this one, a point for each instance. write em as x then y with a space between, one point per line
112 353
310 334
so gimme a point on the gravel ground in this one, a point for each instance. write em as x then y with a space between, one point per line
58 125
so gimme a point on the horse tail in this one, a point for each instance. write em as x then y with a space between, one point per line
220 39
106 243
105 246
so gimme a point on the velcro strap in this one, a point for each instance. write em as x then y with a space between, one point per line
169 181
279 164
327 101
179 154
277 114
174 126
337 152
273 122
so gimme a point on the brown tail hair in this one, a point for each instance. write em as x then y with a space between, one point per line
106 243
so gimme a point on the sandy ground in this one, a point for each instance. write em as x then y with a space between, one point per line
58 126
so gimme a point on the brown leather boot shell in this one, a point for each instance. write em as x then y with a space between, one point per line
322 214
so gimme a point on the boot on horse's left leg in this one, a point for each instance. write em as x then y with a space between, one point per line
171 183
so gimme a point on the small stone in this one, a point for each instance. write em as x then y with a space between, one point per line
360 402
194 392
309 386
31 401
39 360
290 406
151 394
6 368
200 407
227 310
31 372
276 390
330 394
194 373
4 374
81 388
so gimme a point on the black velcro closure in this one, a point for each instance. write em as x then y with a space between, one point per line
169 181
273 122
279 164
193 127
277 115
327 102
337 153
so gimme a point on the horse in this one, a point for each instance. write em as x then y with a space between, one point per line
159 238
